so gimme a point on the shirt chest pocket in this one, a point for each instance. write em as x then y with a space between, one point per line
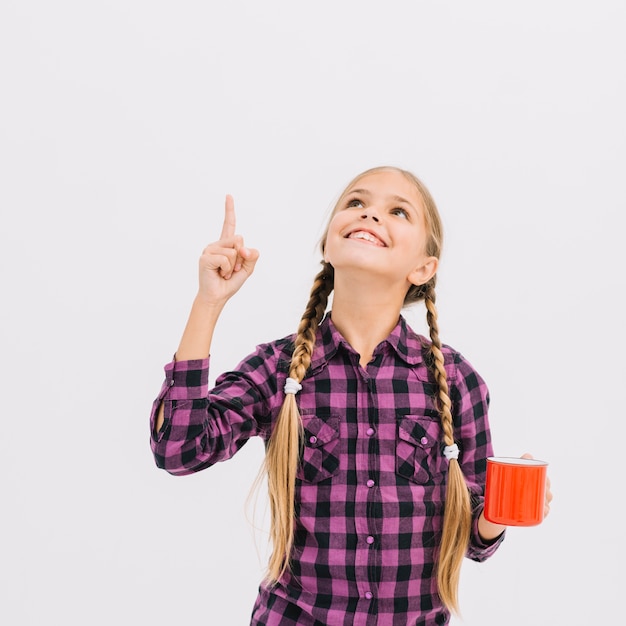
417 448
320 450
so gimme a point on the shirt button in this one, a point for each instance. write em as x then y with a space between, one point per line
424 440
313 439
369 432
370 483
370 540
369 595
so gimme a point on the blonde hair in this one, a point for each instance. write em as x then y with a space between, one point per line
283 449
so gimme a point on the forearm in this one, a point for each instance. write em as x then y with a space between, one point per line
223 268
195 342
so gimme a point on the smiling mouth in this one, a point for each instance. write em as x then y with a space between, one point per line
367 237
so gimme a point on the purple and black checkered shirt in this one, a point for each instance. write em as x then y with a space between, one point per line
371 485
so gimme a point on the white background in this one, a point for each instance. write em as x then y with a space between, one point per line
122 126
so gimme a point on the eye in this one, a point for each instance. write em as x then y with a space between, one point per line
355 202
401 212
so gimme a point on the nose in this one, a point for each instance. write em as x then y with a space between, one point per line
370 212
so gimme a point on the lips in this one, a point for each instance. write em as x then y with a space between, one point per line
367 236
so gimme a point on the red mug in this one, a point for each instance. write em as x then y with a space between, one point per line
515 491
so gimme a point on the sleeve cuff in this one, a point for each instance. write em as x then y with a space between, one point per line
187 380
479 548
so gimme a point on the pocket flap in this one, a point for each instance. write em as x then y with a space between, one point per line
318 432
418 431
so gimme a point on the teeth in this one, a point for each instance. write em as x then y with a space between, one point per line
366 236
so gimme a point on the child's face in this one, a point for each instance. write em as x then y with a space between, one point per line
379 226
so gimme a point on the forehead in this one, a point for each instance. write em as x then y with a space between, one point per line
388 185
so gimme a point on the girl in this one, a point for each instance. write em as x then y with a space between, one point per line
376 438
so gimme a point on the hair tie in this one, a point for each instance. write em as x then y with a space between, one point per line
451 452
292 386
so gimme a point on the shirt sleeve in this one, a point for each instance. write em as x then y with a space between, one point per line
202 427
470 397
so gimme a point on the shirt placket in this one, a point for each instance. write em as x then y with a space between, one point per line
367 474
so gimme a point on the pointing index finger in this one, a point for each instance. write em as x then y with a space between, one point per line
228 229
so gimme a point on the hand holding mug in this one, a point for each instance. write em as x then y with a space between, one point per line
517 492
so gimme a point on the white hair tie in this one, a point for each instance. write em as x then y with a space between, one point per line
292 386
451 452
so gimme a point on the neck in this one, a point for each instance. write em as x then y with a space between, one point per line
365 315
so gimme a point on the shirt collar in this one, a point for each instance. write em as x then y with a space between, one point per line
402 340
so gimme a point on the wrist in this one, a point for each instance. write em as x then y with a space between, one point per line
487 530
208 304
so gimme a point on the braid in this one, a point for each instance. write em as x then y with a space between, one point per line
283 448
439 370
311 318
457 514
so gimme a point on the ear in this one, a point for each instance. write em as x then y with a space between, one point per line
425 271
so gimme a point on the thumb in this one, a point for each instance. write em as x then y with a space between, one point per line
250 256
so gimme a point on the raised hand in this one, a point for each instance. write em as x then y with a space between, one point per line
223 267
225 264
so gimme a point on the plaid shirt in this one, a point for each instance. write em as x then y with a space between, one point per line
371 484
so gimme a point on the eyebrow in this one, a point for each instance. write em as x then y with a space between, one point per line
401 199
